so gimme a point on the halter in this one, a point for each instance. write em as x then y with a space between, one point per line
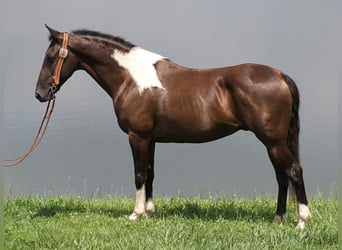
62 55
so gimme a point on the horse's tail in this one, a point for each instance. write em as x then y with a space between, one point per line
293 133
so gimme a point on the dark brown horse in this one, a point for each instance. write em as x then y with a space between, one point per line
156 100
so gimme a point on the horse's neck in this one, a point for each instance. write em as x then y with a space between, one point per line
104 71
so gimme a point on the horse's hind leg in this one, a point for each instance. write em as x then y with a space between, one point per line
283 183
286 169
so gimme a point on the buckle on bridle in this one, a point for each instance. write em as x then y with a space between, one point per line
63 53
53 90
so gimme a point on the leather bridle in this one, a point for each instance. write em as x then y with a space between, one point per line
62 55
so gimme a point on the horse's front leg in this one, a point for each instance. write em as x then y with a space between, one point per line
140 150
150 208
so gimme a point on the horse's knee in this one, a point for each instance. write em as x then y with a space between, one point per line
140 179
295 173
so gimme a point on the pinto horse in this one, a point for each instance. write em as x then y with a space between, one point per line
157 100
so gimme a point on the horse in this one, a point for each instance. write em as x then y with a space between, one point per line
158 101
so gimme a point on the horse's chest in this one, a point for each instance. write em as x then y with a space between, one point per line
135 116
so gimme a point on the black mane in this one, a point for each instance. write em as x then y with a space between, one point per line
96 34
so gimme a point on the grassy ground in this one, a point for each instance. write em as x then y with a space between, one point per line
219 223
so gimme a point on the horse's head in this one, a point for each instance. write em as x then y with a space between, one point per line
47 84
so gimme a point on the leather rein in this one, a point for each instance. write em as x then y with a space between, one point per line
62 55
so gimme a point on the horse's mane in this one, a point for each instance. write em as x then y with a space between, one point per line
107 37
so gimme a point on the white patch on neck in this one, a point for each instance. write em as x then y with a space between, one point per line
140 65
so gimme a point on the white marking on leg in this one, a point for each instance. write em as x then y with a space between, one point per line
304 215
150 208
304 212
139 209
301 224
140 65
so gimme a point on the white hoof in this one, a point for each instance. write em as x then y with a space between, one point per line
301 224
134 217
150 208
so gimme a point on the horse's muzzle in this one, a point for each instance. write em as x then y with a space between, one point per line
40 98
46 96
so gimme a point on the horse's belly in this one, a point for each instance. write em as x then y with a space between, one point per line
191 132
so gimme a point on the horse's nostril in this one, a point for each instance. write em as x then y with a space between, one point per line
37 95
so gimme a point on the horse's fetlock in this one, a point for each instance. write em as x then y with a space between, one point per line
150 207
304 212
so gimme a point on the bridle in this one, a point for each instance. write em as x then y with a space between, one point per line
62 55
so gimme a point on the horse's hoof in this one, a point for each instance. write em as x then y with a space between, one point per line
134 217
301 224
150 209
278 219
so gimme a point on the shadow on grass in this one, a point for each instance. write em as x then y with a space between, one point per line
190 209
52 209
228 210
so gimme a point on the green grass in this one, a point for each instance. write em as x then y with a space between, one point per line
179 223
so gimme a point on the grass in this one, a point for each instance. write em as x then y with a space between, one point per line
179 223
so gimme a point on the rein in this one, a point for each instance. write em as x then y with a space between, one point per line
62 55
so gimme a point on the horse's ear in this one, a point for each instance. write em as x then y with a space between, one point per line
54 34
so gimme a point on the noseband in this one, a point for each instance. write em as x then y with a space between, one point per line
62 55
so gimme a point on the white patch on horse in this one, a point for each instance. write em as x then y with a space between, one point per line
150 208
140 65
304 215
139 209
